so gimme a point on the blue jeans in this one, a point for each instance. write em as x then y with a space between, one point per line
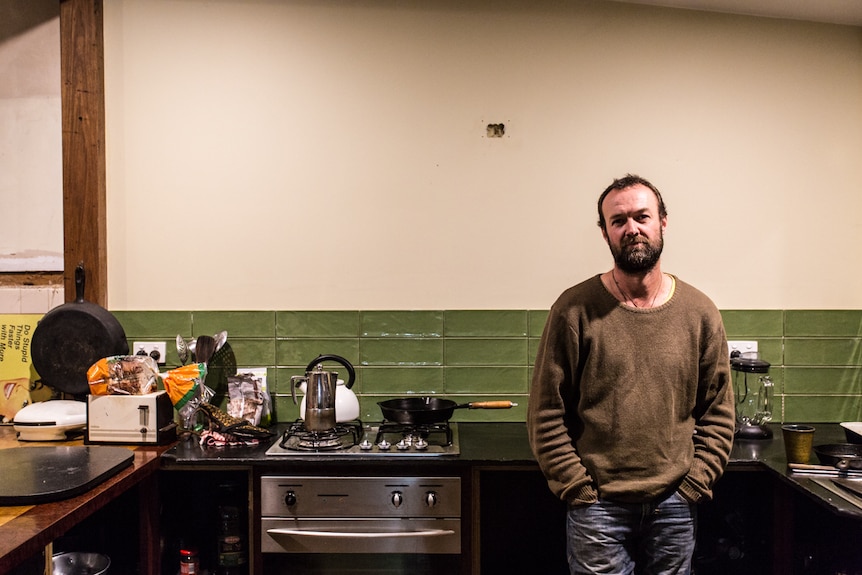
623 538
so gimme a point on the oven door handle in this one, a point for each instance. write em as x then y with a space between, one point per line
361 534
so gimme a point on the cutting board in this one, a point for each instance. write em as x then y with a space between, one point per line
34 475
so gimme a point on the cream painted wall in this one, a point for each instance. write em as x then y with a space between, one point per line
289 154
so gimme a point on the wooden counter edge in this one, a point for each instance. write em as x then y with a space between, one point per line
29 532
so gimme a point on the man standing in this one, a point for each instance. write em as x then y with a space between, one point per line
631 412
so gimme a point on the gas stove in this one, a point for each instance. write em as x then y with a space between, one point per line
384 439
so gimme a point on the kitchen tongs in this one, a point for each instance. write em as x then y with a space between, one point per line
828 471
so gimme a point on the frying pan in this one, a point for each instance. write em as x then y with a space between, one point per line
840 455
428 410
72 337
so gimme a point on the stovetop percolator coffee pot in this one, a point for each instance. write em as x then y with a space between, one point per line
320 392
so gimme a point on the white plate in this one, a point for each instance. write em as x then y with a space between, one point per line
855 427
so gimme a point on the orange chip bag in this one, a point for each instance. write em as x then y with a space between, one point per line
182 383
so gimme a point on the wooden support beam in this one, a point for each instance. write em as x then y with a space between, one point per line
82 73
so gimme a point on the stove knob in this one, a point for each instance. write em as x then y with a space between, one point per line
290 498
365 445
403 445
397 498
430 498
384 445
421 444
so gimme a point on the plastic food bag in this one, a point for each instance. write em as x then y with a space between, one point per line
124 375
228 425
248 398
185 388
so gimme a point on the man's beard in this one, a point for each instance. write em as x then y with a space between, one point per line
637 254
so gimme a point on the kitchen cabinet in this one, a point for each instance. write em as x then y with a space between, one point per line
735 529
812 538
521 524
191 501
519 514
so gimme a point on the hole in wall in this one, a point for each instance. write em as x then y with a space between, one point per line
496 130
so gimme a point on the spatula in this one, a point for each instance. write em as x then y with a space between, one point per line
204 348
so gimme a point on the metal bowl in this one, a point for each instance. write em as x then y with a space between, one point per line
853 431
75 563
840 455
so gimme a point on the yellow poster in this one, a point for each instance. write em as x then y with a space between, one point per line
16 368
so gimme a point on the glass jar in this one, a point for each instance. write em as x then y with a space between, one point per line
231 550
189 562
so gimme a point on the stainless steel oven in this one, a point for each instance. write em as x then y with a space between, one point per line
360 524
383 522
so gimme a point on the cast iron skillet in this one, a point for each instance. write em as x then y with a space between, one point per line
428 410
72 337
840 455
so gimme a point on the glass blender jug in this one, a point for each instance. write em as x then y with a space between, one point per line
753 389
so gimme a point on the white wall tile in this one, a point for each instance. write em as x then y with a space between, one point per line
10 300
35 299
38 299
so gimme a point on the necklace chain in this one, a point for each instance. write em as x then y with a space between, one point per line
630 298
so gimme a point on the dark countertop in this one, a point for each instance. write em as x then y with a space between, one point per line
505 444
480 443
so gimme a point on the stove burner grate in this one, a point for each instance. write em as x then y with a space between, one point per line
342 436
415 430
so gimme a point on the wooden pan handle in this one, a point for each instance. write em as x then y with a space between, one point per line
492 405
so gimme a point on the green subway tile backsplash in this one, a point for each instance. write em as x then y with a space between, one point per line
471 355
253 352
486 323
401 323
822 380
317 324
537 319
823 409
770 349
301 352
486 380
153 324
401 351
823 351
499 351
400 380
236 323
753 324
831 323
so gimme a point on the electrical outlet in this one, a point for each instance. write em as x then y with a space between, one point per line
155 349
743 347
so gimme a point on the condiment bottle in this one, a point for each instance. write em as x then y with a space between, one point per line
189 562
232 558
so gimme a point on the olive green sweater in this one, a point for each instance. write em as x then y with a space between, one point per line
629 404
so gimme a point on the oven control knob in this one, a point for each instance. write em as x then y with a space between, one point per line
397 498
421 444
290 498
384 445
431 498
403 445
365 445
